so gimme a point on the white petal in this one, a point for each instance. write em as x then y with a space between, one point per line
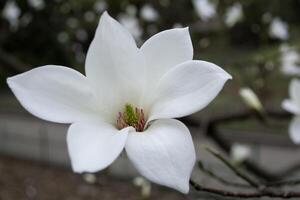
114 64
164 153
165 50
294 90
186 89
294 130
54 93
94 146
290 106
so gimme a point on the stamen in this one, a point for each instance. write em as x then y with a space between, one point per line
131 117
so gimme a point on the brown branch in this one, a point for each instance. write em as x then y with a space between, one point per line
258 194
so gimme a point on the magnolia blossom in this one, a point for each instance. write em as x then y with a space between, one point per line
293 105
127 100
279 29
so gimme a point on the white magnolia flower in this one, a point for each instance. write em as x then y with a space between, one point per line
127 100
293 105
205 9
279 29
289 60
251 99
240 152
233 14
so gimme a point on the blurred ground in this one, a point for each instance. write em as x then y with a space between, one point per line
26 137
28 180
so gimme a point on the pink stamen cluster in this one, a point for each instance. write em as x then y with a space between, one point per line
138 122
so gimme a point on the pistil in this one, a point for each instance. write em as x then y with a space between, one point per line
131 116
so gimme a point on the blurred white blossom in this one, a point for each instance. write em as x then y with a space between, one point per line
100 6
240 152
292 105
177 25
62 37
25 19
205 9
131 10
267 17
12 12
81 35
131 23
78 50
72 22
251 99
204 42
37 4
148 13
89 16
144 185
89 178
279 29
233 14
290 60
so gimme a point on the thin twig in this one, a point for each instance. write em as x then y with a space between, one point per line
260 172
236 171
258 194
218 178
283 183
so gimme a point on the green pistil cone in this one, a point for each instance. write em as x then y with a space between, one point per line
130 115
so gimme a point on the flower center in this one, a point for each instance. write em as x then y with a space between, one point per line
131 116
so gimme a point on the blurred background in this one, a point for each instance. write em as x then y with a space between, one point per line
257 42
